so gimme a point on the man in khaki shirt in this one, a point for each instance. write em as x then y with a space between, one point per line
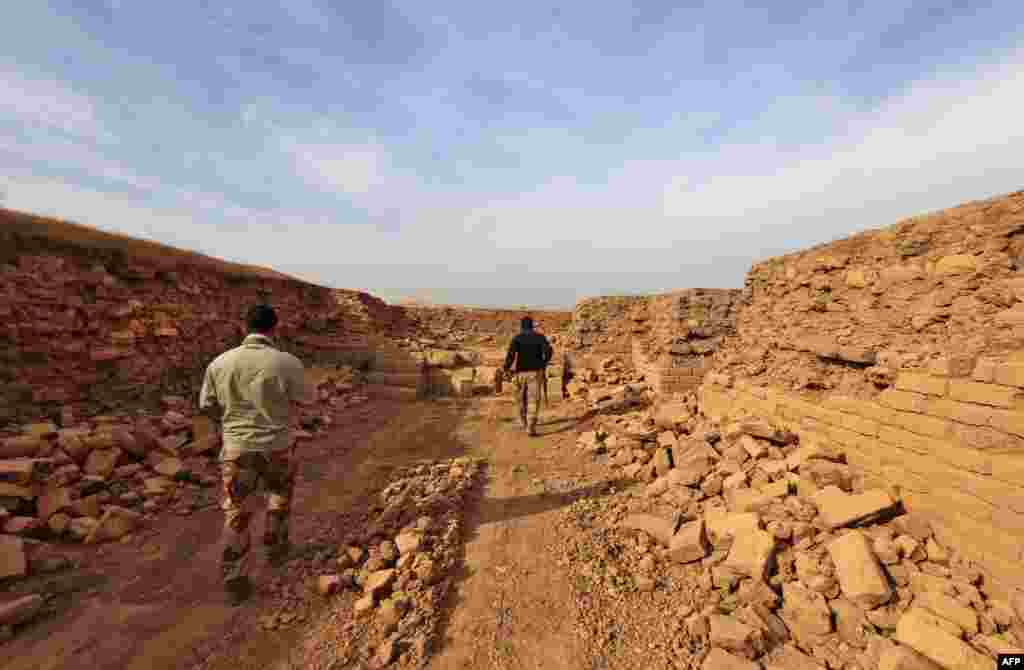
252 387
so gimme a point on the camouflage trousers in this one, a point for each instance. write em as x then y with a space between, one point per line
240 478
529 387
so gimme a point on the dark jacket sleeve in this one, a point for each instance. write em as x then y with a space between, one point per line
548 352
510 357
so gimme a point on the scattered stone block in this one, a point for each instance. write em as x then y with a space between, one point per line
839 509
101 462
379 583
948 608
851 623
408 542
860 575
789 657
719 659
20 446
170 467
58 523
689 543
753 448
328 585
720 525
898 657
53 500
735 636
115 523
938 645
805 612
364 605
87 506
751 554
659 529
82 527
13 562
663 460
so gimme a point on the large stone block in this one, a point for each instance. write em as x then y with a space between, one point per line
860 576
939 645
839 509
948 608
751 554
720 525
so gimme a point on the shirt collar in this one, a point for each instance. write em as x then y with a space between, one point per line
256 338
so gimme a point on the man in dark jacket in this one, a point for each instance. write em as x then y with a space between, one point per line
530 353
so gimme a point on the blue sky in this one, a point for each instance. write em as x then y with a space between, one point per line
508 153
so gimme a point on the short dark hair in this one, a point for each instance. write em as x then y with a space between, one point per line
261 318
526 322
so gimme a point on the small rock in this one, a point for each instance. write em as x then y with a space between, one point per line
387 652
328 585
719 659
364 605
409 542
689 543
388 551
735 636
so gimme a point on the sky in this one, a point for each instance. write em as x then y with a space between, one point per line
507 153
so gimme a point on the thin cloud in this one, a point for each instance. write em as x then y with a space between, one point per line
46 104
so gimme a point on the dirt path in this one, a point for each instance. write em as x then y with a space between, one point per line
515 609
155 603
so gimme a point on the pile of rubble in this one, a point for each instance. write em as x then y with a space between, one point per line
609 387
789 557
101 479
393 578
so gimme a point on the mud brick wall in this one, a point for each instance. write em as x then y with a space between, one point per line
665 337
686 328
91 326
606 325
906 346
466 325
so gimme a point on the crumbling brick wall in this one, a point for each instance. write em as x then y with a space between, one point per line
666 338
906 346
605 325
89 325
477 326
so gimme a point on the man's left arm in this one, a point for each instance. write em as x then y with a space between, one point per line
510 357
